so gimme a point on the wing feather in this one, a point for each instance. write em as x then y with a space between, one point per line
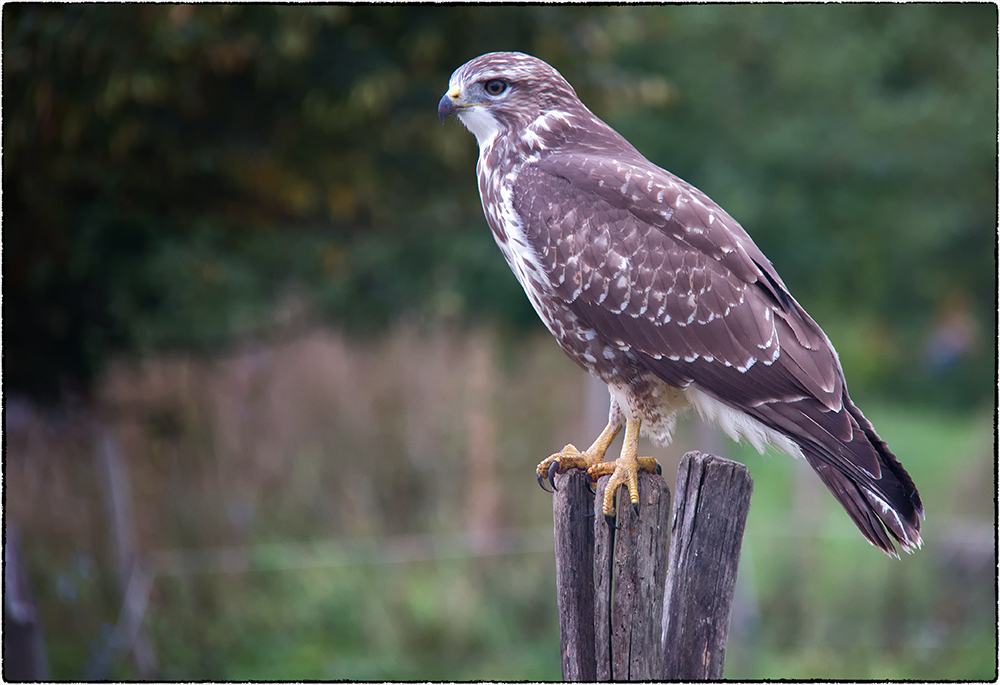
696 306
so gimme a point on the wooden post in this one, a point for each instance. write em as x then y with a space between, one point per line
573 513
133 580
629 571
610 580
713 500
615 620
24 656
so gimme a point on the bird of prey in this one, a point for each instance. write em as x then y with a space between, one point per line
653 288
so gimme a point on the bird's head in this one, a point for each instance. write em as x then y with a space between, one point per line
501 92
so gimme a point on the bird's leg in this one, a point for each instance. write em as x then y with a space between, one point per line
569 457
625 469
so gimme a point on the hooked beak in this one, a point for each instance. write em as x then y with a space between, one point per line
449 104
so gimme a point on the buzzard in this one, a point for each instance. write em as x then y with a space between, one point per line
653 288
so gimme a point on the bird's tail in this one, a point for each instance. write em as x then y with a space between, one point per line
880 507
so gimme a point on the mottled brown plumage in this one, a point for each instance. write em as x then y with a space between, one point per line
649 285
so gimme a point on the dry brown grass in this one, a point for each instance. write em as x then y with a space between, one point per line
320 435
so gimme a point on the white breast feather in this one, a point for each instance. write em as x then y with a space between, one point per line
520 256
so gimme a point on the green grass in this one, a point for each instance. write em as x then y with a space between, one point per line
491 618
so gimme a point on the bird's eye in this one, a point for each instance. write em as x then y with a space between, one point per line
495 87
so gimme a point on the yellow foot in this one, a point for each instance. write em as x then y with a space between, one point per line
569 457
624 470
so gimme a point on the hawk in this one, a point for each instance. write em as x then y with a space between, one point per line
654 289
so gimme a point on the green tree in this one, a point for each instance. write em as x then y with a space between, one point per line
173 171
170 170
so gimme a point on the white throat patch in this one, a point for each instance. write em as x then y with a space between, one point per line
482 124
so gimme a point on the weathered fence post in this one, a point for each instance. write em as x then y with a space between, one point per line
625 612
24 656
134 579
713 500
573 513
629 571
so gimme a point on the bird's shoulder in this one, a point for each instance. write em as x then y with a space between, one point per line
622 204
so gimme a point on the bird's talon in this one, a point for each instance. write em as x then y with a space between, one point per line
635 508
553 469
541 483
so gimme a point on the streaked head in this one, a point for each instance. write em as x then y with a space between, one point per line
504 91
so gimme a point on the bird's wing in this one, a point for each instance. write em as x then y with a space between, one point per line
658 269
656 266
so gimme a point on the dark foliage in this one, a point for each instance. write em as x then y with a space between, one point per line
173 171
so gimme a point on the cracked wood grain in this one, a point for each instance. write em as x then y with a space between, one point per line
713 500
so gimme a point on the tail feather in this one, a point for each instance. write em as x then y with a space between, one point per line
907 532
871 513
857 467
905 487
884 508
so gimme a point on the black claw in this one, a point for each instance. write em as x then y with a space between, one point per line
541 484
553 469
611 521
590 486
659 469
635 508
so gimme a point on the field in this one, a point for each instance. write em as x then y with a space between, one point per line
331 508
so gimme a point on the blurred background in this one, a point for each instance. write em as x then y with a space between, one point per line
273 399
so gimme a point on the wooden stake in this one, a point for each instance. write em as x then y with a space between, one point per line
713 500
573 512
630 568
